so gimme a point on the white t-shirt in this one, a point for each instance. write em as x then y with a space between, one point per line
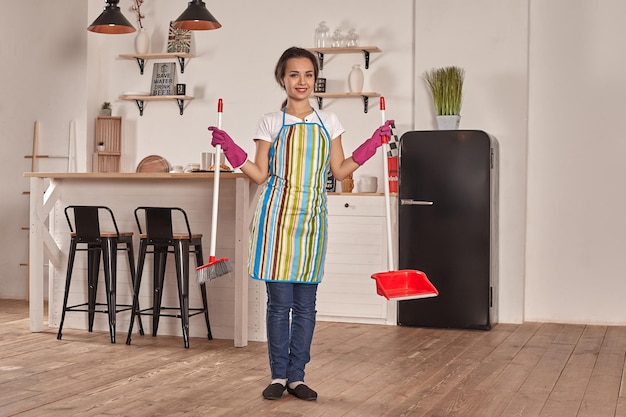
271 123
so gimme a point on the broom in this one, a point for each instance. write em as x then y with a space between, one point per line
216 267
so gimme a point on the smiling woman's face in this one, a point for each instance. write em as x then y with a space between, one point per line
299 78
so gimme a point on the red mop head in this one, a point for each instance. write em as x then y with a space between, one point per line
214 269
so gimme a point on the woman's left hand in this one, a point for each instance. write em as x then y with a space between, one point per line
369 147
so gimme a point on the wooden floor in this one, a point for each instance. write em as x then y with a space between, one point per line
358 370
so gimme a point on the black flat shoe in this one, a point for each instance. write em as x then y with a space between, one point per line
303 392
273 391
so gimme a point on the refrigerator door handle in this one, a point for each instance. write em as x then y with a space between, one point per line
409 202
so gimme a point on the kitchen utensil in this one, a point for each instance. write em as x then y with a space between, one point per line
404 284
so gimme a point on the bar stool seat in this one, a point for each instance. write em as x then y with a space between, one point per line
85 235
160 236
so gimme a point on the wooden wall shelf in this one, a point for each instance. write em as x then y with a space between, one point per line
141 99
365 50
363 95
142 58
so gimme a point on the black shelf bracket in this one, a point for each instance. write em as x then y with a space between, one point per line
181 105
179 101
366 100
320 58
181 61
141 62
366 55
140 104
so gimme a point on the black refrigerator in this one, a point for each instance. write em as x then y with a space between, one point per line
447 226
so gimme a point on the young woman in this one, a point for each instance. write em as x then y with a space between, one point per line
295 148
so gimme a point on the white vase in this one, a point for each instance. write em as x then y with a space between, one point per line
448 122
355 79
142 41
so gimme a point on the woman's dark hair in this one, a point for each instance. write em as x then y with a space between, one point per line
293 52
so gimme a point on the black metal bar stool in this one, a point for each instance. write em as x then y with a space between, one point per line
160 236
86 232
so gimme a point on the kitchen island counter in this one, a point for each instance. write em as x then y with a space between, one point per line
51 192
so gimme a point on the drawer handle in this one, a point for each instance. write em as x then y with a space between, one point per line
346 205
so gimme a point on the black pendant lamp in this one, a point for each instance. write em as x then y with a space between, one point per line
111 20
196 17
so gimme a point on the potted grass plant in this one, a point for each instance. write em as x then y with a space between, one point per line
446 87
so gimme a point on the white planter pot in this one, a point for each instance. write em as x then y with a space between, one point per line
142 41
448 122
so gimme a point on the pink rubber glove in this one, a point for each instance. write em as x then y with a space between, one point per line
369 147
235 155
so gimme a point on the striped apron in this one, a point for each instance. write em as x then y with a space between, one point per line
289 232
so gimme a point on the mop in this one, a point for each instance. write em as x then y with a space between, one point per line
405 284
215 268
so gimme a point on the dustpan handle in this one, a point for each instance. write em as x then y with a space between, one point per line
385 149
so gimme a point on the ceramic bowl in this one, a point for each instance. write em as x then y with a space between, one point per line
368 185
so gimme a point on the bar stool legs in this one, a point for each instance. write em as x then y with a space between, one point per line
93 268
181 256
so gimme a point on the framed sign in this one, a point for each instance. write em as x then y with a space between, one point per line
163 79
178 40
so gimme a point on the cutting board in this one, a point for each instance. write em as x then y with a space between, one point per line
153 163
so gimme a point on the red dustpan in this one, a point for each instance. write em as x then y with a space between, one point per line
406 284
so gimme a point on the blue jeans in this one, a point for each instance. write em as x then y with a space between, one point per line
289 341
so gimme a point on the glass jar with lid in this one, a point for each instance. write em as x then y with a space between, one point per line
352 38
322 36
338 39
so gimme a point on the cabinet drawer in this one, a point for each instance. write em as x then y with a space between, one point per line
353 205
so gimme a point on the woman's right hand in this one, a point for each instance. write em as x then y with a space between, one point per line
235 155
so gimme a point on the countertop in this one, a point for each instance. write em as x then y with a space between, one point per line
133 175
155 176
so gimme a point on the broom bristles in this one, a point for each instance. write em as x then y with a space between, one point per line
213 269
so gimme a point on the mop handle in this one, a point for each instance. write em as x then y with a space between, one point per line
385 145
216 183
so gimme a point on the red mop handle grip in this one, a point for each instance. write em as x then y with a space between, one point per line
385 138
220 106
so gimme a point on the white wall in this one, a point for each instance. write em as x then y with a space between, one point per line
43 75
576 225
543 77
